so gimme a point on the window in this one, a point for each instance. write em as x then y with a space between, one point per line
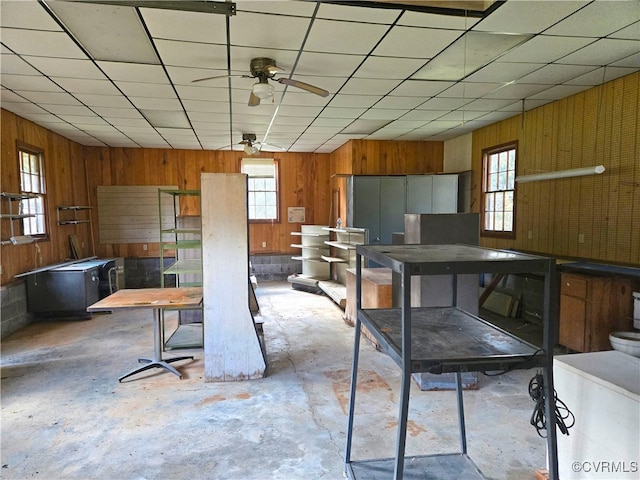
32 183
262 188
498 191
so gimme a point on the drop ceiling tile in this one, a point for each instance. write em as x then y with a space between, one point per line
388 68
111 101
24 108
421 88
11 63
189 26
66 67
470 89
342 113
487 104
139 89
432 20
324 131
545 49
603 52
343 37
69 109
261 113
209 128
598 19
60 98
83 120
28 15
443 103
415 118
331 122
29 83
616 72
127 72
85 85
364 86
283 32
328 64
41 43
423 43
406 103
357 13
527 17
209 116
382 114
632 32
354 101
190 54
632 61
516 91
405 124
298 111
559 91
208 94
555 73
10 96
133 124
493 117
502 72
146 103
175 132
303 9
295 96
462 115
117 112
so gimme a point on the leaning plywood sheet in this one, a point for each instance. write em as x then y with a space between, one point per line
130 214
232 347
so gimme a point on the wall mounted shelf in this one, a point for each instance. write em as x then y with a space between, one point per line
68 214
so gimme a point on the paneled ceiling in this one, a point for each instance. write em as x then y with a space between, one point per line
122 76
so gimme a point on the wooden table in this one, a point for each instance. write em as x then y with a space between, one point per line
156 299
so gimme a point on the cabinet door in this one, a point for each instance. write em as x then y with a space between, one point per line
365 201
572 322
445 194
419 193
392 207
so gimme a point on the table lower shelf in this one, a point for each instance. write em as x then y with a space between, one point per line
427 467
446 339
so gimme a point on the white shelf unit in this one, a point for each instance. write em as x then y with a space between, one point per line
12 213
343 250
313 249
68 214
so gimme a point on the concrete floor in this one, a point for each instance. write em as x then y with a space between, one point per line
65 416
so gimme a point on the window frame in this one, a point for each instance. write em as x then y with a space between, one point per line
486 153
41 194
277 191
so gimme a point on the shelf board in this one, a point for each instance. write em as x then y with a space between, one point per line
310 247
341 245
16 216
74 207
447 339
308 259
194 231
184 266
72 222
304 234
181 244
333 259
354 230
18 196
443 467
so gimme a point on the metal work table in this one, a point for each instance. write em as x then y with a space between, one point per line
156 299
447 339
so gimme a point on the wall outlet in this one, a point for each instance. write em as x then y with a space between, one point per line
144 247
581 238
264 244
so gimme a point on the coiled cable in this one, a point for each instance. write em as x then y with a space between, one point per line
538 417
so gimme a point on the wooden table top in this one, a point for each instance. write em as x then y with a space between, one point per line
150 298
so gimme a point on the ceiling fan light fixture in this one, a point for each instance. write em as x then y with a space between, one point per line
263 90
250 149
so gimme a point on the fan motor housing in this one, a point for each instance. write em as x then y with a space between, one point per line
263 66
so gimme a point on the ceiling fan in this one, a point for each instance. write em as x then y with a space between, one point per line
265 69
251 146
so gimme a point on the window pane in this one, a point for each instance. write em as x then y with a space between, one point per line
502 162
499 201
502 181
489 202
508 222
493 182
511 177
270 198
498 221
270 184
272 212
493 164
259 184
512 159
508 202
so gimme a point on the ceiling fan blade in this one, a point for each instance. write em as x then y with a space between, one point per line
304 86
271 147
254 100
219 76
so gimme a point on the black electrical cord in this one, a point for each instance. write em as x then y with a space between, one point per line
538 417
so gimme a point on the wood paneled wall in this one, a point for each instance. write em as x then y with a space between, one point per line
595 217
304 182
64 170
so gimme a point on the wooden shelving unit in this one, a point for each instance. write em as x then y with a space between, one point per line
313 249
447 339
68 214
